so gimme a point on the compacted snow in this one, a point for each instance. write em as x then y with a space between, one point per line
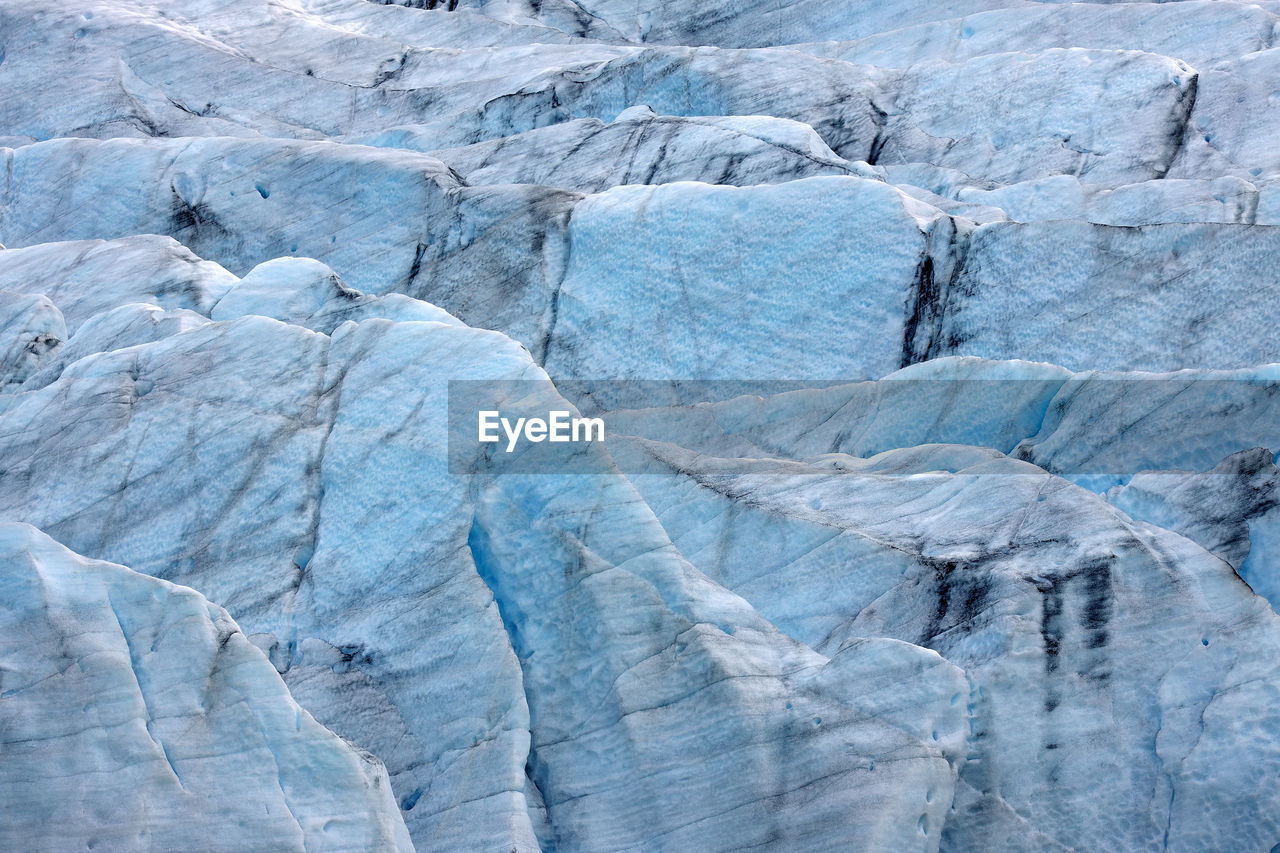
936 349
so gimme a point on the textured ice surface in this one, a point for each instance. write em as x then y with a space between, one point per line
136 715
1147 203
384 220
1057 291
1097 424
346 452
1217 508
91 277
1087 637
305 292
31 328
1195 31
978 109
991 602
237 513
641 147
762 285
912 276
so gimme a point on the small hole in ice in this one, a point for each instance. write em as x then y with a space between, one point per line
1204 641
262 191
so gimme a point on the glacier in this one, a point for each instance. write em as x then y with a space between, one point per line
136 714
938 507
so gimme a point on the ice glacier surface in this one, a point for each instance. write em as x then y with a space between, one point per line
137 715
1000 573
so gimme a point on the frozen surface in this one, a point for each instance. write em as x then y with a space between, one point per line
1092 424
1230 509
91 277
1074 625
31 329
762 285
1222 200
199 492
1200 32
993 598
347 451
136 715
1113 298
641 147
